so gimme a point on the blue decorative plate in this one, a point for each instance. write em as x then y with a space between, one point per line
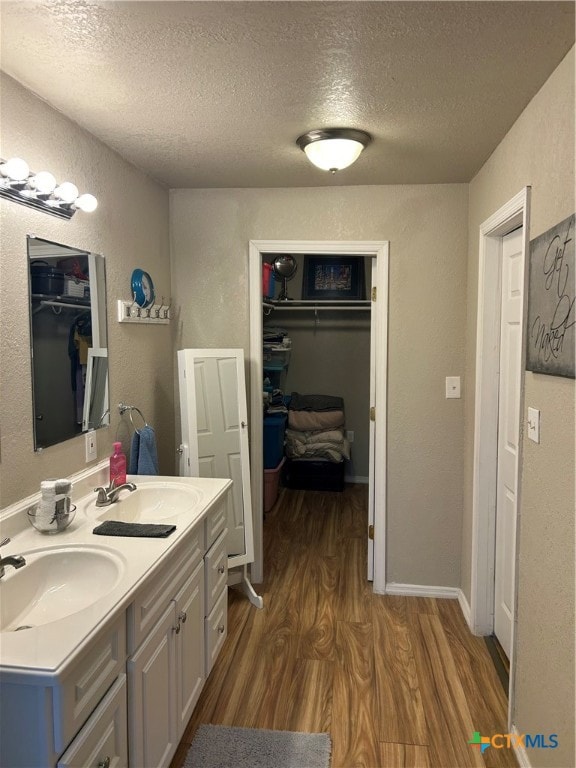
142 288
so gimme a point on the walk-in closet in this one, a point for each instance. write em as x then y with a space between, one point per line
316 332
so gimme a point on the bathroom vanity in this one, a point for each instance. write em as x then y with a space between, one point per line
121 633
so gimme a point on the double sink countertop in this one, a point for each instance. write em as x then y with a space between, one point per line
75 583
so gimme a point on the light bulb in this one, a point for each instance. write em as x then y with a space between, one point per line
43 183
15 169
86 203
66 192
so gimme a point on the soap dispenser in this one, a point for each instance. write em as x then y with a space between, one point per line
117 466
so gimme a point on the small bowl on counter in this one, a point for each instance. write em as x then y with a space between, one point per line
51 522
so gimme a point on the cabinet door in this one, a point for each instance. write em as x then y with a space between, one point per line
190 646
103 739
215 571
152 696
216 628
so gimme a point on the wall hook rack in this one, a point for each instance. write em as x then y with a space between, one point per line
132 312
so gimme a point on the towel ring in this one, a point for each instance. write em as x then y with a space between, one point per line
122 407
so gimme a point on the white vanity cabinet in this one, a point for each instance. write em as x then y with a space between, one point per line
103 741
167 669
216 599
40 720
123 696
165 677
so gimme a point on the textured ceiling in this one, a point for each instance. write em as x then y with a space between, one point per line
214 94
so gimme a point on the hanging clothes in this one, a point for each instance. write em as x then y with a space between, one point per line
79 342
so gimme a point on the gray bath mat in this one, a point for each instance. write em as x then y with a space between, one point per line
218 746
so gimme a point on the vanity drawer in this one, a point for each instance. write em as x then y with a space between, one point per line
104 738
87 682
151 601
216 629
216 521
216 570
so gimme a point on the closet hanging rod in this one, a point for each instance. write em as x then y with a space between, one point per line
62 305
318 302
321 308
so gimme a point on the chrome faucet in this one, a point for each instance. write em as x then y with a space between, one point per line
16 561
107 496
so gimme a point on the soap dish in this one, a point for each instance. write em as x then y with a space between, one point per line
56 523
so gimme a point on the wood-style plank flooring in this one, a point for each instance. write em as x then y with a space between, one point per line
396 681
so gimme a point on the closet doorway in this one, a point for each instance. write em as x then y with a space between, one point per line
377 252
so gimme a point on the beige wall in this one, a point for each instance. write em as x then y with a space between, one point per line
426 226
130 229
538 151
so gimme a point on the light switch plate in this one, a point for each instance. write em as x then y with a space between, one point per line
452 386
534 424
91 450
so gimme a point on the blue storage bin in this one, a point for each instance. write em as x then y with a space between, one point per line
274 428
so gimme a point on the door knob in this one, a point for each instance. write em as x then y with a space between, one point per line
183 616
180 450
221 569
104 763
221 629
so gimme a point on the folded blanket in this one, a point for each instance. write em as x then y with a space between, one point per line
147 530
320 436
318 450
315 403
314 421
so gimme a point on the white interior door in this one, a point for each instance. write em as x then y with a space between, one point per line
215 437
508 435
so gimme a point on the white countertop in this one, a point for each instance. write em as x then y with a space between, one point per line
46 650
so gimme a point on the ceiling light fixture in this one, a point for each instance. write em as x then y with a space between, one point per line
41 191
333 149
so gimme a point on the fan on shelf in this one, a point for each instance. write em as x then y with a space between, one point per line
284 267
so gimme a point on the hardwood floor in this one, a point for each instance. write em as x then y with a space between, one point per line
396 681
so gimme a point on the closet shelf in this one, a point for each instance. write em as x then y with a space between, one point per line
44 300
307 305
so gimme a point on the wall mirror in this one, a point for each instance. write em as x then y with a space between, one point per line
68 341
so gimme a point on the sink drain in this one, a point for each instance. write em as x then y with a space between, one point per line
24 626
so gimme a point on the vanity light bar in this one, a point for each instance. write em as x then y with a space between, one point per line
41 190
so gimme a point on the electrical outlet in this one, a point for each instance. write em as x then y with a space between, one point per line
350 435
91 450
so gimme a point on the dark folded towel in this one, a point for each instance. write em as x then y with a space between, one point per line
148 530
300 402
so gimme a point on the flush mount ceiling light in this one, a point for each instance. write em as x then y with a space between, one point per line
41 191
333 149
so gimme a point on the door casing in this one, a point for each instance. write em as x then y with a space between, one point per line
379 250
513 214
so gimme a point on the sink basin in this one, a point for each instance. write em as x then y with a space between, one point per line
152 503
56 583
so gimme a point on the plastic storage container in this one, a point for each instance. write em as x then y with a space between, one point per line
275 357
271 483
314 475
274 428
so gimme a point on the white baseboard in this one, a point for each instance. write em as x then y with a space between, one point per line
520 752
465 606
356 479
421 590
